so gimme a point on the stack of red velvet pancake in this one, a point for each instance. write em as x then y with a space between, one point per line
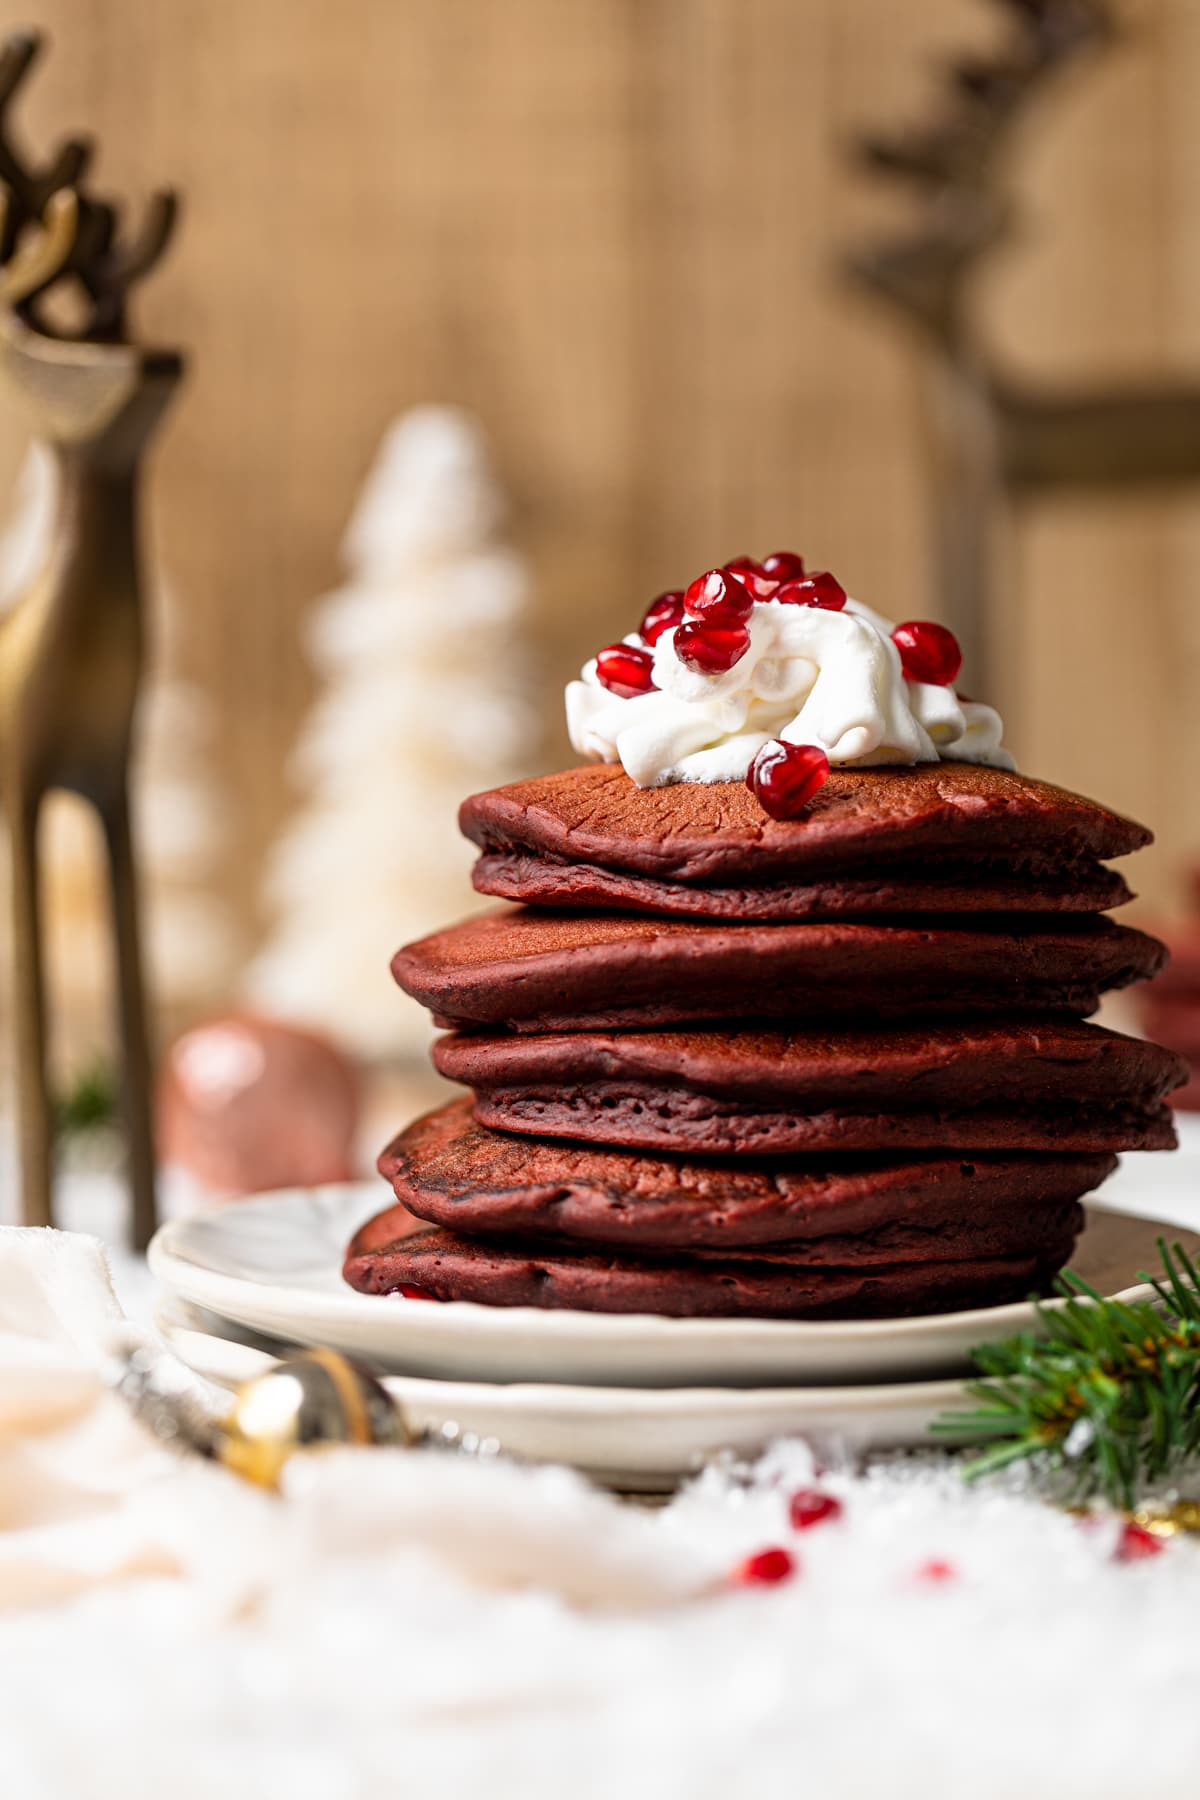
831 1066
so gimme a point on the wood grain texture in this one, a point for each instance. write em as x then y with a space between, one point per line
610 227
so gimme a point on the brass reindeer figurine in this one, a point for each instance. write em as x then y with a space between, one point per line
997 440
71 644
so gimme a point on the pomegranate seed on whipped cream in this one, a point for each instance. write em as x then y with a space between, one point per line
784 777
801 673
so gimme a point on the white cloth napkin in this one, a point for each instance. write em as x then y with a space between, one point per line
88 1497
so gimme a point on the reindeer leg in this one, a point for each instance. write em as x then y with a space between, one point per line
136 1062
35 1128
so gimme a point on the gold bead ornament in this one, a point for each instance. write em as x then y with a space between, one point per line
310 1400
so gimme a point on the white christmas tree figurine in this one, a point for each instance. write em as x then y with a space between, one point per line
427 698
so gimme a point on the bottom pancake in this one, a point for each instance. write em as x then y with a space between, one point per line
445 1267
845 1210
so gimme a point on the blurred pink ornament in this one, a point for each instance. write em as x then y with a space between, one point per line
247 1103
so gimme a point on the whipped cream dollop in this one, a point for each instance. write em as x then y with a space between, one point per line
810 676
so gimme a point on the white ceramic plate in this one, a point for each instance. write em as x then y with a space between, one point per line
639 1440
273 1263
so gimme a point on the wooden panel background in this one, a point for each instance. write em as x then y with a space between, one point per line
609 226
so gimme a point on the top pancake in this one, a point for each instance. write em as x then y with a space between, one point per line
715 833
952 885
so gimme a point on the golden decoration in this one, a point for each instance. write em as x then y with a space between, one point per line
310 1400
1169 1519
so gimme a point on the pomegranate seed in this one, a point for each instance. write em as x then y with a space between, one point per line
712 649
759 587
718 598
661 615
784 777
625 670
411 1291
809 1506
928 652
744 563
818 589
1135 1543
936 1570
784 565
764 1569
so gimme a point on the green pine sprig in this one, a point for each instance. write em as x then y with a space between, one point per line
1107 1395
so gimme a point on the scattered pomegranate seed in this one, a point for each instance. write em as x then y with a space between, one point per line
411 1291
747 563
784 777
718 598
661 615
936 1570
818 589
1135 1543
783 565
809 1506
928 652
625 670
764 1569
711 648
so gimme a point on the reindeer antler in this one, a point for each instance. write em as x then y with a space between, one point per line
102 266
29 189
108 268
39 261
953 160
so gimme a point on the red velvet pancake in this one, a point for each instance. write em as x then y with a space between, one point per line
939 825
754 1090
845 1210
767 1285
542 971
951 887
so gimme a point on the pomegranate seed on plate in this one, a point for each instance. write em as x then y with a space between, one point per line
625 670
809 1506
764 1568
783 565
411 1291
661 615
712 649
718 598
936 1570
928 652
818 589
784 777
745 563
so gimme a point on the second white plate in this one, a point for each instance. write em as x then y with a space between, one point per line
635 1440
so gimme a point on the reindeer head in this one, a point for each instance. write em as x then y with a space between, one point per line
86 385
954 162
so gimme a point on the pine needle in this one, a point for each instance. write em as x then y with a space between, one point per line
1107 1394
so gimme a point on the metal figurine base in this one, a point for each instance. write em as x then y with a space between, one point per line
71 644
